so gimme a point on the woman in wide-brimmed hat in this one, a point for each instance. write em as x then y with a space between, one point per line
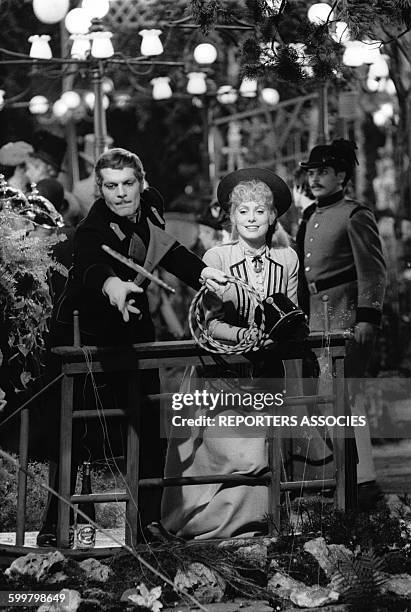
259 254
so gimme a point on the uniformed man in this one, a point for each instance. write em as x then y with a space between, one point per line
341 257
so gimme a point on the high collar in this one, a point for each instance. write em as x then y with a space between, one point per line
330 199
111 216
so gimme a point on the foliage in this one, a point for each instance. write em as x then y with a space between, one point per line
379 529
25 302
360 579
36 496
278 27
108 515
147 598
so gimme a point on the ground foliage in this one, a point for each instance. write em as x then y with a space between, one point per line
359 578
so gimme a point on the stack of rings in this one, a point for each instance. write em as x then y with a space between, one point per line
253 338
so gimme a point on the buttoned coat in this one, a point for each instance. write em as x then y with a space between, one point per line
341 238
100 322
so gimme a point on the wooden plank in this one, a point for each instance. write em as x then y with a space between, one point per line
66 425
274 465
133 458
22 475
180 348
338 440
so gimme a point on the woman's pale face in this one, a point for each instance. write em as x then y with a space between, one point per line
252 220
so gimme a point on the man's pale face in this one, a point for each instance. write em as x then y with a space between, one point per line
36 169
121 190
324 181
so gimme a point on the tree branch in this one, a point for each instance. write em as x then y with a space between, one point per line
395 38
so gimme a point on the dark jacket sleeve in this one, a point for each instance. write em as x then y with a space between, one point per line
92 265
184 264
369 264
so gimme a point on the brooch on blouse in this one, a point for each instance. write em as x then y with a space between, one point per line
258 263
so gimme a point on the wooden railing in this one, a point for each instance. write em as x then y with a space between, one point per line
133 360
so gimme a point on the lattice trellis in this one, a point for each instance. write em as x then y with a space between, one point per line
123 14
132 14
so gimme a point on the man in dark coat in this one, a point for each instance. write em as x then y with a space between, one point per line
341 258
112 304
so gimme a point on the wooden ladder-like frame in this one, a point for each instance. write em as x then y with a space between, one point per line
134 360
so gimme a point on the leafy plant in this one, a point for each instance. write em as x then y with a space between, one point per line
360 579
36 496
25 302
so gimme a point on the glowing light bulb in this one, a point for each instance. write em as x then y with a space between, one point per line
342 33
97 9
101 45
71 99
205 53
270 96
151 43
319 13
59 108
77 21
50 12
196 85
227 94
353 54
161 88
40 48
248 88
81 46
38 105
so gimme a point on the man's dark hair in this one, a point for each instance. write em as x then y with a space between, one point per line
117 159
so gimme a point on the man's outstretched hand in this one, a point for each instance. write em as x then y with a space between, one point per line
117 292
213 278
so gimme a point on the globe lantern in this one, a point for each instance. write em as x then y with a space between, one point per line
270 96
319 13
38 105
97 9
59 108
71 99
205 53
77 21
50 12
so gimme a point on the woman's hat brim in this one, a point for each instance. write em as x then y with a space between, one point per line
279 189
